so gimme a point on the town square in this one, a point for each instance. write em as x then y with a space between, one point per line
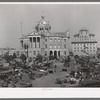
44 46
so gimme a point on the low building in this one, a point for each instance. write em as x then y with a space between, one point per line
84 43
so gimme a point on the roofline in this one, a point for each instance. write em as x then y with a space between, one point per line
85 42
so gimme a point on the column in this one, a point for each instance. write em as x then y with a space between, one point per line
31 42
57 53
39 42
35 42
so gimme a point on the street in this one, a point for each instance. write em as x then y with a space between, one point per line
49 80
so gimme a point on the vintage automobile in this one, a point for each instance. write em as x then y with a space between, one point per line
64 69
44 72
61 80
89 83
51 70
25 84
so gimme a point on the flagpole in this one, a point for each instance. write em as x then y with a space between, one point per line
68 36
21 27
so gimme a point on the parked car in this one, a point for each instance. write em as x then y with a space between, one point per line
61 81
89 83
51 70
64 69
25 84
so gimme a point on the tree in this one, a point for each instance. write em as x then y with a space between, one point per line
14 55
76 58
39 58
6 57
71 53
51 57
23 57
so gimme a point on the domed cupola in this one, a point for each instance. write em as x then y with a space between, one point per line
43 25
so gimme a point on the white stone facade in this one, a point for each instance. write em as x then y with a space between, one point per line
43 41
84 43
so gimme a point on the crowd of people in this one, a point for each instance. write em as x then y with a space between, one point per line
83 68
20 71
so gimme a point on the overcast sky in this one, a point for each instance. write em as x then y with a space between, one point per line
61 17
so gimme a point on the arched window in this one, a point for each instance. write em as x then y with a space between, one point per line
59 40
50 45
50 40
58 45
46 28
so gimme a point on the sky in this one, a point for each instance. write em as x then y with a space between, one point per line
60 16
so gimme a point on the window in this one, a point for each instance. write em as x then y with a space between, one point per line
38 52
64 52
45 45
45 52
64 46
34 53
46 28
55 46
55 40
64 40
58 40
50 40
58 45
41 28
74 50
45 40
50 45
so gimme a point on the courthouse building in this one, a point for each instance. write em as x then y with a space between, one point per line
43 41
84 43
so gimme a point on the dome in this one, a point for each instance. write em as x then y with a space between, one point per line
43 21
43 25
